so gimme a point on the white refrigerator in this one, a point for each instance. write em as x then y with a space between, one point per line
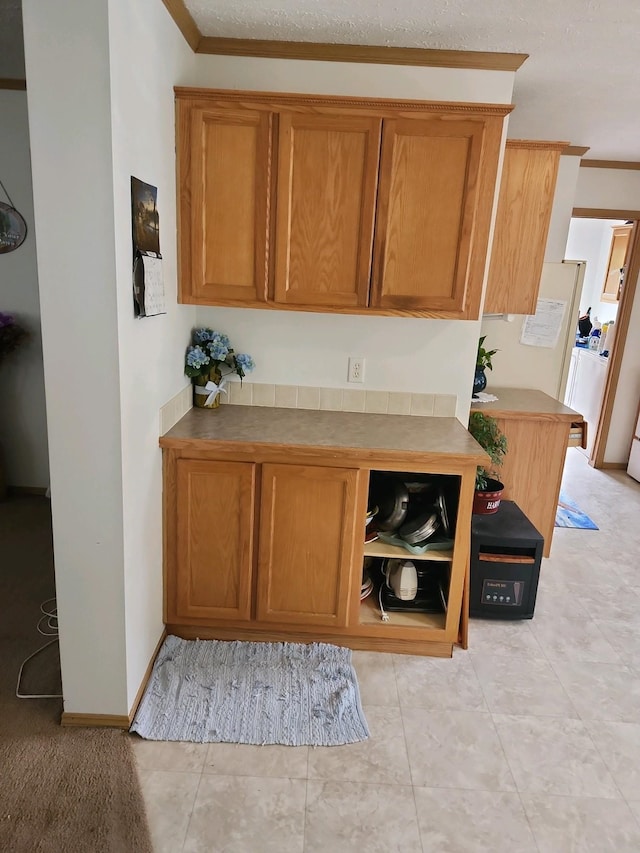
543 367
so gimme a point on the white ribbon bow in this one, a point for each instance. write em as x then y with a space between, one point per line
214 390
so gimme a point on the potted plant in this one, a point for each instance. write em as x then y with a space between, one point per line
483 362
484 428
209 361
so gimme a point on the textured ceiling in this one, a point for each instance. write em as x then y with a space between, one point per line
579 83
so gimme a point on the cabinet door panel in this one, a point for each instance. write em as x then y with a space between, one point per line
307 528
224 200
215 520
614 276
525 201
426 212
327 175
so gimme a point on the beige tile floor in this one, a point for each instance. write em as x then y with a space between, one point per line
527 743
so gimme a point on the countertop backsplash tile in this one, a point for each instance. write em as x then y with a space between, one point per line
340 399
311 397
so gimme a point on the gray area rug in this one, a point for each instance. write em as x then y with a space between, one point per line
209 691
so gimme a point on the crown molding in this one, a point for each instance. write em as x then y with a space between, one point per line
605 213
185 23
322 52
293 100
576 150
13 83
537 144
376 54
610 164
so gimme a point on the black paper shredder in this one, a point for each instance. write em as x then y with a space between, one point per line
506 552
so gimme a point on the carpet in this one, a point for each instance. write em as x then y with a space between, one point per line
61 789
210 691
568 514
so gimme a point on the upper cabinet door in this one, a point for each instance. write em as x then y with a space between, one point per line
617 263
427 211
526 195
327 175
224 195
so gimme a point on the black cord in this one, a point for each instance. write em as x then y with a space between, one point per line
7 195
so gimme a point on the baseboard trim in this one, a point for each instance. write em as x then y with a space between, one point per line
114 721
614 466
27 490
146 677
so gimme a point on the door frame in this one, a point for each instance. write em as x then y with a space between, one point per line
623 318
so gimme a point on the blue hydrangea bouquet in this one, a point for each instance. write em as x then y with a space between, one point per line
209 362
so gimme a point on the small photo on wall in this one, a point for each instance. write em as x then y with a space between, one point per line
144 216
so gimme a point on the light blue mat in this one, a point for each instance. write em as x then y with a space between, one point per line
569 515
209 691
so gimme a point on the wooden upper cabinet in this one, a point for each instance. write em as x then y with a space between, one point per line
426 212
327 177
322 203
617 263
308 527
211 575
525 200
223 185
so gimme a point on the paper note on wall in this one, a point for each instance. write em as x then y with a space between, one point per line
542 329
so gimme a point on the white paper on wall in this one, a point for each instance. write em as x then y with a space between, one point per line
542 329
154 302
148 286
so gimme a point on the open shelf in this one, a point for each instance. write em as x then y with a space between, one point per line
381 549
370 615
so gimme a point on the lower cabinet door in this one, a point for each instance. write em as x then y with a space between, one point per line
307 535
212 572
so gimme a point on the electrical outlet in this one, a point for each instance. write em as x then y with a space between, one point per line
356 369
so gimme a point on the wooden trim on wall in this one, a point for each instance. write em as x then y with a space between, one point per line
146 676
604 213
377 54
537 144
613 373
114 721
614 466
301 102
184 22
13 83
28 490
610 164
576 150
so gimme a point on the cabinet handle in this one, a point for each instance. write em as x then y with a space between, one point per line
504 558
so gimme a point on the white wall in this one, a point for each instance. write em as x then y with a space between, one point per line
23 421
67 62
143 36
590 240
618 189
99 78
419 355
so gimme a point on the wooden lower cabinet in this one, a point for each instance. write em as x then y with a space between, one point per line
262 549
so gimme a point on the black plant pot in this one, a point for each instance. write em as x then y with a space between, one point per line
479 381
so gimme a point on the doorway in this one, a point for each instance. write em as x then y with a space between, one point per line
608 241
